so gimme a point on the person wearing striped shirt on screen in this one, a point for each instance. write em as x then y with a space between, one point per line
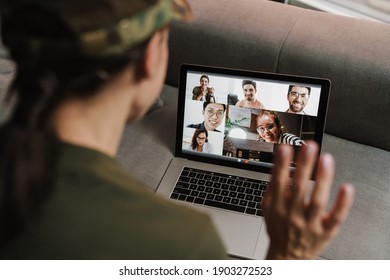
271 130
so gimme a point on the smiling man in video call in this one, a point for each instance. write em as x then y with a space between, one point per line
297 97
249 89
213 115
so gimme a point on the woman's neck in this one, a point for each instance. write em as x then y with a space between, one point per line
97 122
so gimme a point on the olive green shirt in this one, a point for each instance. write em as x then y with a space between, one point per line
97 211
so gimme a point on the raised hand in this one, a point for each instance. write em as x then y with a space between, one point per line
300 226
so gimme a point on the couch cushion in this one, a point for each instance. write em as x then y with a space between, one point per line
354 55
7 69
147 147
247 34
365 234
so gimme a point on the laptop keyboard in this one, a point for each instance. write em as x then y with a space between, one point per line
219 190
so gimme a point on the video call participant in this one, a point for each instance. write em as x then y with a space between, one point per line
297 97
213 115
199 92
200 142
271 130
249 89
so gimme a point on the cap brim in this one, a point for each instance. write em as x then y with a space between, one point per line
111 39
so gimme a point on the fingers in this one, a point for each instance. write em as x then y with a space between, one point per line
299 228
306 160
341 208
280 177
324 179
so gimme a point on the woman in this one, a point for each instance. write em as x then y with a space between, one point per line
80 78
271 130
200 142
200 92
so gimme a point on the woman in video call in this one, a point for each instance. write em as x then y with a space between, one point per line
199 92
200 142
271 130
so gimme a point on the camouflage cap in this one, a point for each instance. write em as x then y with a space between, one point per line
102 27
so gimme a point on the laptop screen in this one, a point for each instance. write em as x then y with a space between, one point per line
237 118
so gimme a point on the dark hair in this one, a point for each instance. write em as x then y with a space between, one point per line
204 76
194 143
29 145
291 86
207 103
249 82
280 128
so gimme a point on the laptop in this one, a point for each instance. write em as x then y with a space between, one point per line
225 145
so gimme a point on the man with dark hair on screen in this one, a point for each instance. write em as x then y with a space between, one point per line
297 97
213 115
249 89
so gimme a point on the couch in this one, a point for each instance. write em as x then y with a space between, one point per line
273 37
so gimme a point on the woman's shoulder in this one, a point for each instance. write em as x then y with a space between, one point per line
126 220
196 89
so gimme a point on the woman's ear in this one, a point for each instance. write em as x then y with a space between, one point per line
149 57
154 50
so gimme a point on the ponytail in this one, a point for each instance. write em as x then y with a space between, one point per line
29 145
28 152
